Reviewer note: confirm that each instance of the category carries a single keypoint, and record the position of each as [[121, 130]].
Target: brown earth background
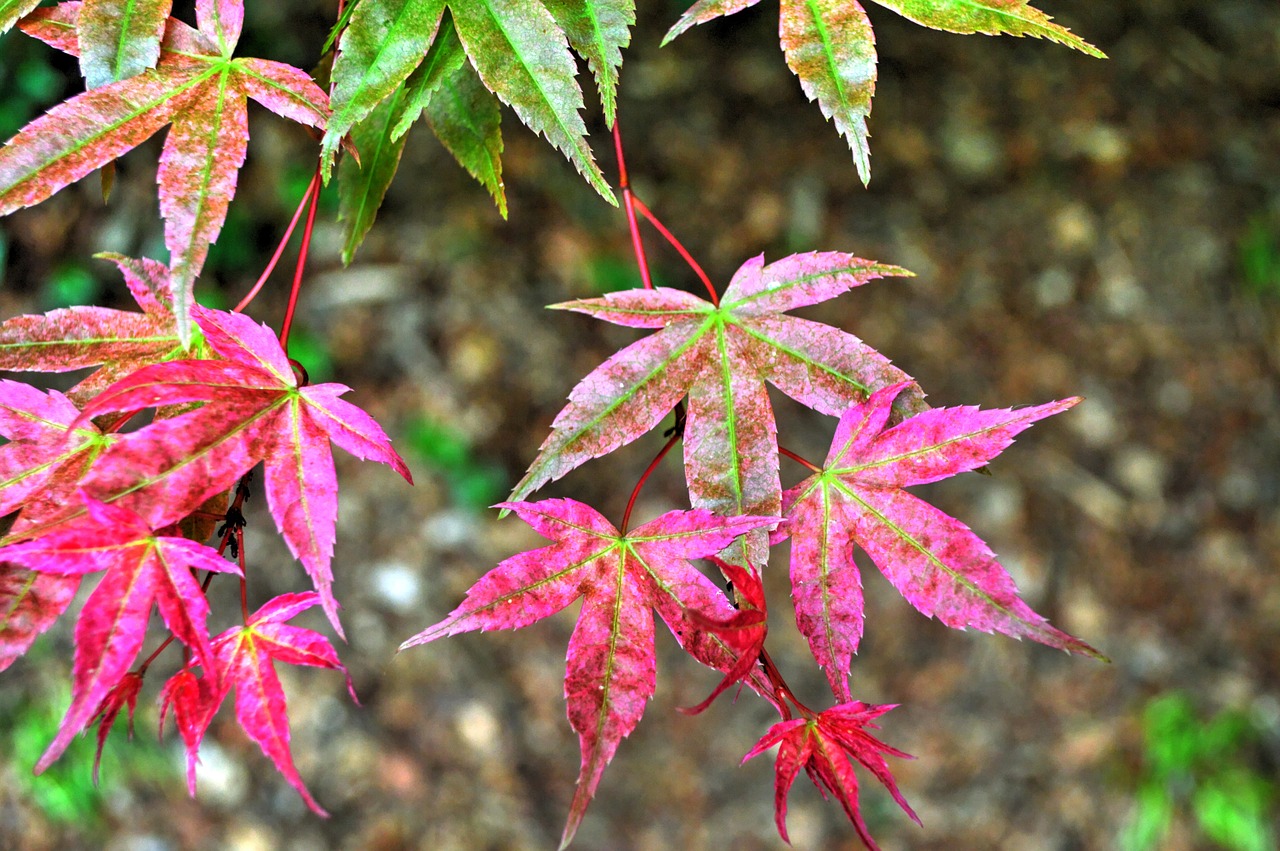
[[1103, 228]]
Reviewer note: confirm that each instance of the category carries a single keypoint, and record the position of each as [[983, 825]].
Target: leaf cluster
[[156, 511]]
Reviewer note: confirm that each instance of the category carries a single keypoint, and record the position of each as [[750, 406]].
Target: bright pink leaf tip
[[123, 694]]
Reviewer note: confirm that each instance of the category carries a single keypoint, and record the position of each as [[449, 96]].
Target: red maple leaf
[[246, 662], [934, 560], [721, 355], [39, 469], [141, 569], [197, 87], [193, 701], [48, 450], [744, 633], [123, 694], [823, 746], [621, 578], [255, 412], [118, 341]]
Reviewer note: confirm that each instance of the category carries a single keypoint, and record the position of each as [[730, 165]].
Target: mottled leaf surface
[[141, 569], [12, 11], [721, 356], [255, 412], [830, 47], [936, 562], [621, 578], [523, 57], [119, 38], [598, 30], [116, 341]]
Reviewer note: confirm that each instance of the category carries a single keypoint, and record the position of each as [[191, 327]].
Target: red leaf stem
[[675, 243], [312, 189], [644, 477], [628, 202], [302, 262], [782, 450]]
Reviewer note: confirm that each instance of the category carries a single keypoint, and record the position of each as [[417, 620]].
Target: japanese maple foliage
[[823, 746], [621, 578], [138, 477]]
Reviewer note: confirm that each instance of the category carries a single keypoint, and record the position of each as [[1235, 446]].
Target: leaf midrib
[[905, 536]]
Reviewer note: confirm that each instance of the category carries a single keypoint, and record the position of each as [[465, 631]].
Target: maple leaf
[[598, 31], [992, 17], [40, 468], [823, 746], [118, 341], [744, 633], [832, 50], [30, 603], [119, 39], [123, 694], [830, 46], [721, 356], [48, 450], [517, 48], [621, 578], [198, 88], [464, 115], [193, 701], [246, 662], [142, 568], [256, 412], [934, 560]]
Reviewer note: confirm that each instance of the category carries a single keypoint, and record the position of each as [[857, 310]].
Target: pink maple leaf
[[123, 694], [744, 632], [823, 746], [934, 560], [193, 701], [196, 86], [141, 569], [721, 356], [621, 577], [118, 341], [256, 412], [246, 662], [30, 603], [47, 453]]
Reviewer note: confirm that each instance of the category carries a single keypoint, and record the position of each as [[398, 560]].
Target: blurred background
[[1103, 228]]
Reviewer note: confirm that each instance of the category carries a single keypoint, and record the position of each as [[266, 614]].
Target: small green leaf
[[445, 56], [363, 185], [466, 118], [523, 57], [384, 42], [991, 17], [598, 30]]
